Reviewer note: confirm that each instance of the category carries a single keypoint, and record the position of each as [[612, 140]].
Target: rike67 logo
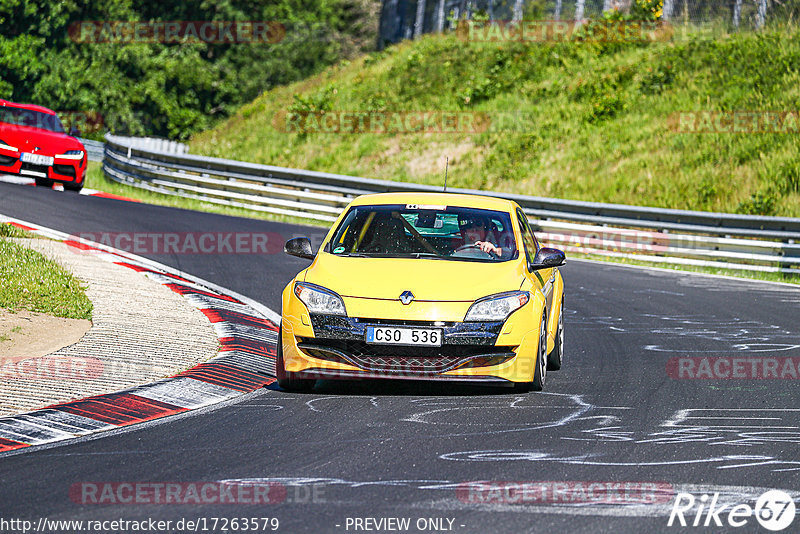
[[774, 510]]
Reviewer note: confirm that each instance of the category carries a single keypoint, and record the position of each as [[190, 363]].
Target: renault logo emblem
[[406, 297]]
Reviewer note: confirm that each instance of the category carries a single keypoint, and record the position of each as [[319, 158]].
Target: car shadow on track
[[413, 388]]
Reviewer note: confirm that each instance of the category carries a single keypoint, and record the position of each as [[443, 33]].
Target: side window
[[531, 245]]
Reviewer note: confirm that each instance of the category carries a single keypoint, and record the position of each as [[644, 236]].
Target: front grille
[[65, 170], [38, 169], [397, 359]]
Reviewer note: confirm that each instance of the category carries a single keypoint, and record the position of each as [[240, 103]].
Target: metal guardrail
[[94, 149], [154, 144], [652, 234]]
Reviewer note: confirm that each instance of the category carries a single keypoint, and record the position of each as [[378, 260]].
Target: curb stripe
[[186, 393], [10, 445], [120, 409], [23, 227], [142, 269], [246, 345], [184, 290], [219, 316], [64, 421], [228, 376]]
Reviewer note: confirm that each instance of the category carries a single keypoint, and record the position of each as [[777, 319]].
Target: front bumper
[[62, 169], [335, 347]]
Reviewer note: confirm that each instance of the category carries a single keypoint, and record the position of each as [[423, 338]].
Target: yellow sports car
[[424, 286]]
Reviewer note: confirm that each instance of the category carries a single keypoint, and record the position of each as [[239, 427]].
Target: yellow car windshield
[[415, 231]]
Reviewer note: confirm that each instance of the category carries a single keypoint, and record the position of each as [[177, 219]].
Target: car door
[[541, 279]]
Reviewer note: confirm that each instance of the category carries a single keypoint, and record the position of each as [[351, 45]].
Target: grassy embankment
[[596, 118]]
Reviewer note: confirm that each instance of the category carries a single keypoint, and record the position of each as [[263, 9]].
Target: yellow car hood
[[432, 280]]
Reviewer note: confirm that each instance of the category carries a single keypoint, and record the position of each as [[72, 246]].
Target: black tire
[[556, 356], [72, 186], [286, 380], [44, 182], [540, 373]]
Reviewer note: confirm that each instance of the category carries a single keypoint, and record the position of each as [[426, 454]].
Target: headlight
[[497, 307], [318, 299], [6, 146], [71, 154]]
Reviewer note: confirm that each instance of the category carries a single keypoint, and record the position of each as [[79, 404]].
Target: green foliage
[[168, 89], [647, 9], [759, 203]]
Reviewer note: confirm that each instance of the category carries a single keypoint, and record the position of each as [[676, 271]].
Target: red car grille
[[66, 170]]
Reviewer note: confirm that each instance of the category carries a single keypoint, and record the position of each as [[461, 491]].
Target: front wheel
[[286, 379], [540, 373], [72, 186]]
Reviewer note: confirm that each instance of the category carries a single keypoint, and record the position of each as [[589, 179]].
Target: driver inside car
[[474, 232]]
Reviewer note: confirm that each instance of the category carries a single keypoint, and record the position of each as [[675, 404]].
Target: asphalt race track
[[617, 415]]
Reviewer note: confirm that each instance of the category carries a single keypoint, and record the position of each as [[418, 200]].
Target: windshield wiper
[[431, 255]]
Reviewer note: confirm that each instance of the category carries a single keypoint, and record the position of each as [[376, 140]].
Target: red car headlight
[[71, 154], [6, 146]]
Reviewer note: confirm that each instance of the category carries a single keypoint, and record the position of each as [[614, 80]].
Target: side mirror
[[74, 131], [300, 247], [547, 258]]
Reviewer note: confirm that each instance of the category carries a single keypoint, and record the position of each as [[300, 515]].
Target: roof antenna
[[446, 164]]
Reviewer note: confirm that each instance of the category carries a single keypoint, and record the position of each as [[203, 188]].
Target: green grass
[[32, 282], [9, 230], [596, 119]]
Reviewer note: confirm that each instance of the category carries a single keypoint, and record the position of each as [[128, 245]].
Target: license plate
[[386, 335], [36, 159]]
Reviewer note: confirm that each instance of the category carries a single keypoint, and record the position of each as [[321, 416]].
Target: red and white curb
[[247, 333], [21, 180]]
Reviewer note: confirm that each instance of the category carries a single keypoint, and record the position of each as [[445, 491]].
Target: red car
[[33, 143]]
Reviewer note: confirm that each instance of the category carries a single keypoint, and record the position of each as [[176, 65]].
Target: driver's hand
[[487, 247]]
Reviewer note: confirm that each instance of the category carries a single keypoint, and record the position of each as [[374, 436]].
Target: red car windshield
[[30, 119]]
